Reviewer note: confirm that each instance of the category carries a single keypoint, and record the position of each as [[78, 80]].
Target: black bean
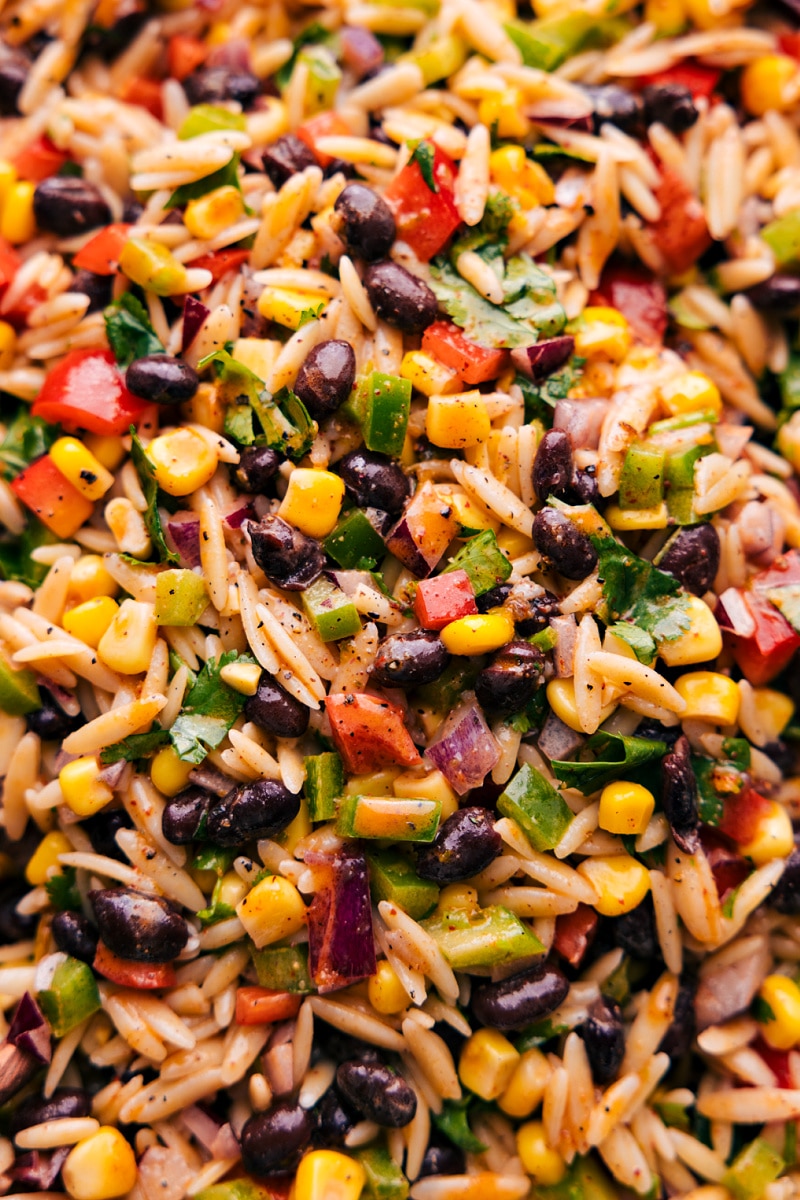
[[13, 73], [656, 732], [782, 754], [464, 845], [326, 377], [97, 287], [679, 795], [560, 540], [615, 104], [132, 211], [521, 999], [408, 659], [210, 85], [15, 926], [679, 1037], [635, 932], [552, 467], [374, 481], [442, 1158], [286, 158], [50, 721], [512, 678], [693, 558], [494, 598], [184, 817], [779, 292], [604, 1038], [671, 105], [532, 614], [332, 1121], [399, 297], [64, 1102], [785, 896], [68, 206], [286, 556], [138, 926], [367, 225], [250, 811], [162, 379], [377, 1093], [257, 466], [275, 710], [102, 830], [75, 935], [273, 1141], [584, 488]]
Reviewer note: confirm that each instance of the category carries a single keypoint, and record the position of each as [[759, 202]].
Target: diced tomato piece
[[123, 971], [145, 93], [742, 814], [261, 1006], [474, 363], [101, 253], [425, 219], [39, 160], [785, 569], [369, 733], [700, 80], [770, 647], [575, 933], [86, 391], [680, 233], [727, 866], [184, 54], [777, 1061], [638, 295], [54, 500], [220, 262], [443, 599], [10, 263], [324, 124]]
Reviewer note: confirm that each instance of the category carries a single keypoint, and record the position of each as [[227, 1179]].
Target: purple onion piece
[[581, 420], [465, 750], [39, 1169], [733, 615], [341, 948], [29, 1030], [557, 740], [185, 537], [194, 314], [361, 50], [235, 519], [539, 361], [113, 774], [234, 54], [562, 115], [17, 1067]]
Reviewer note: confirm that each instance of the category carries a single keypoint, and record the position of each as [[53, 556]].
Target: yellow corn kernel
[[127, 525], [90, 579], [668, 16], [128, 644], [213, 213], [8, 345], [457, 421], [488, 1060], [81, 468], [169, 773], [478, 635], [621, 882], [781, 1027], [182, 461], [90, 620], [432, 786], [376, 783], [258, 354], [329, 1175], [601, 333], [219, 34], [701, 642], [286, 306], [625, 807], [108, 450], [428, 375], [544, 1165], [561, 698], [312, 501], [709, 697], [82, 788], [503, 111], [8, 177], [690, 392], [470, 515], [628, 519], [386, 993], [298, 828], [525, 180], [100, 1167], [242, 677], [513, 543], [44, 861], [17, 222], [775, 711], [525, 1090], [230, 890], [272, 910], [774, 836], [153, 267], [205, 408], [768, 82]]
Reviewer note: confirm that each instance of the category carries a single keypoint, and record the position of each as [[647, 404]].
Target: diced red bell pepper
[[727, 866], [10, 263], [474, 363], [220, 262], [262, 1006], [369, 733], [54, 500], [146, 976], [575, 933], [425, 219], [741, 815], [701, 81], [680, 233], [39, 160], [638, 295], [785, 569], [770, 647], [777, 1061], [86, 391], [324, 124], [101, 253], [184, 54], [443, 599], [145, 93]]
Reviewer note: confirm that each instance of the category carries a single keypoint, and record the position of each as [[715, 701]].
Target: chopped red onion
[[562, 114], [194, 314], [39, 1169], [732, 439], [539, 361], [185, 537], [212, 780], [235, 519], [224, 1144], [566, 631], [234, 53], [29, 1030], [733, 614], [341, 948], [465, 750], [582, 421], [113, 774], [361, 50], [203, 1127], [557, 740]]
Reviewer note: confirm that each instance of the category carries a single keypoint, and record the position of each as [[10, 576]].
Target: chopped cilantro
[[452, 1121], [15, 556], [540, 398], [135, 747], [25, 439], [152, 519], [638, 639], [214, 858], [761, 1010], [210, 708], [614, 756], [424, 155], [530, 307], [536, 1035], [62, 892], [226, 176], [311, 314], [284, 419], [716, 779], [314, 34], [217, 910], [129, 332], [636, 592]]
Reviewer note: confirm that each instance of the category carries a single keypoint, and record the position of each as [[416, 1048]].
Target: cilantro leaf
[[638, 639], [614, 756], [530, 295], [62, 892], [129, 332], [423, 156], [25, 439], [737, 751], [637, 592], [311, 314], [762, 1011], [716, 779], [214, 858], [284, 419], [314, 34], [536, 1035], [482, 322], [530, 307], [217, 910], [135, 746], [152, 519], [15, 556], [210, 708], [498, 212], [453, 1123], [225, 176]]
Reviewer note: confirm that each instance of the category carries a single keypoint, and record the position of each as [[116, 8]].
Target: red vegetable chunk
[[101, 253], [474, 363], [146, 976], [700, 80], [680, 233], [638, 295], [39, 160], [444, 599], [54, 500], [764, 652], [341, 948], [86, 391], [262, 1006], [575, 933], [369, 733], [742, 815], [425, 219]]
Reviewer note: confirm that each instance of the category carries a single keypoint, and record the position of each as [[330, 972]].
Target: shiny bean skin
[[138, 926], [50, 721], [604, 1038], [273, 1141], [679, 1037], [286, 556], [560, 540], [399, 297], [15, 926], [251, 811], [693, 558], [210, 85], [332, 1121], [373, 481], [533, 615], [464, 845], [443, 1159], [512, 678], [102, 830], [367, 224], [679, 795], [786, 894], [257, 466], [184, 815], [326, 377], [377, 1093], [779, 292], [97, 287], [552, 467], [67, 206], [75, 935], [65, 1102], [521, 999], [13, 73], [162, 379], [635, 932], [615, 105], [494, 598], [671, 105], [286, 158], [410, 659], [274, 710]]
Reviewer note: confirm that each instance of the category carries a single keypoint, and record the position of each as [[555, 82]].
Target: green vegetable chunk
[[585, 1180], [236, 1189], [323, 78], [537, 808], [481, 937], [615, 756], [641, 484], [752, 1169], [783, 238], [181, 597], [389, 817], [385, 1180], [453, 1122], [208, 712], [548, 42], [483, 561], [330, 611], [385, 410], [152, 517], [355, 542], [392, 877], [324, 784], [283, 968], [19, 693], [441, 59], [71, 997]]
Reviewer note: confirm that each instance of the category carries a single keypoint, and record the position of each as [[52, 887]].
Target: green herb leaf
[[62, 892], [135, 747], [129, 332], [761, 1010], [787, 600], [737, 751], [314, 34], [287, 426], [144, 469], [226, 176], [217, 910], [716, 779], [727, 909], [453, 1123], [213, 858], [536, 1035], [484, 323], [311, 314], [638, 639], [209, 710], [637, 592], [614, 756], [423, 156], [25, 439], [540, 398], [15, 556]]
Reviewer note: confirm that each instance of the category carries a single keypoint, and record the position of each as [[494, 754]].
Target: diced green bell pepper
[[209, 118], [392, 877], [752, 1169], [324, 78], [684, 421], [783, 237], [541, 813], [236, 1189], [385, 1180], [585, 1180], [483, 561], [381, 405], [19, 693], [71, 997], [547, 43], [641, 482], [283, 968], [441, 59], [789, 382], [445, 692], [324, 784], [181, 597], [481, 937], [330, 611], [388, 817], [355, 542]]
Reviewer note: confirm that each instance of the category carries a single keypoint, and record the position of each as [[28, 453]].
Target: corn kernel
[[457, 421], [621, 882], [769, 82], [81, 468], [432, 786], [153, 267], [44, 861], [90, 620], [561, 698], [8, 177], [386, 993], [312, 501], [478, 635], [257, 354], [242, 677], [90, 579], [488, 1060], [376, 783], [108, 450], [503, 111], [625, 807], [701, 642], [470, 515], [781, 1028], [774, 710], [169, 773], [82, 788], [526, 1088], [709, 697], [544, 1165], [286, 306], [219, 34], [601, 333], [213, 213], [428, 375], [230, 890], [206, 408], [788, 440], [514, 544], [525, 180], [329, 1175], [128, 644], [298, 828], [100, 1167], [774, 837], [183, 461], [690, 392], [8, 345], [629, 519], [17, 222], [668, 16], [272, 910]]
